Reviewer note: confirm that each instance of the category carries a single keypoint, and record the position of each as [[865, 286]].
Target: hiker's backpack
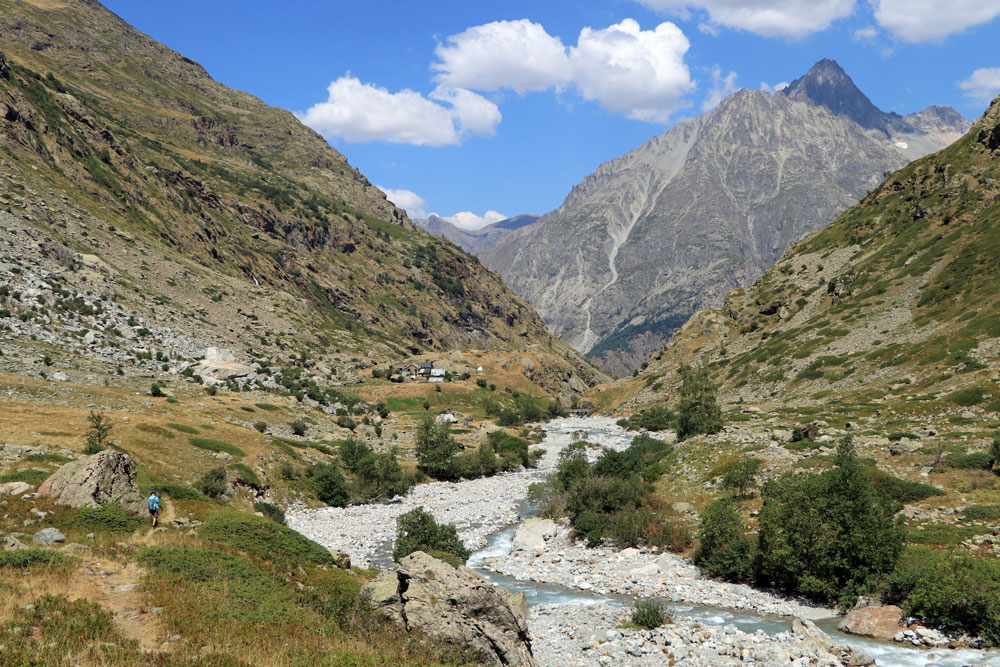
[[153, 503]]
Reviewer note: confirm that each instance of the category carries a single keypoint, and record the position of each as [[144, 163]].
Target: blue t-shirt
[[153, 502]]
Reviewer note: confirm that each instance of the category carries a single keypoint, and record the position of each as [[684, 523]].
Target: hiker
[[153, 502]]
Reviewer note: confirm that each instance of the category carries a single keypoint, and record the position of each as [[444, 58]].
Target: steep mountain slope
[[897, 298], [648, 239], [474, 240], [145, 191]]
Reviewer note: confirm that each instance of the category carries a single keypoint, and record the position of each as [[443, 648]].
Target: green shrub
[[156, 390], [740, 477], [183, 428], [901, 490], [271, 511], [213, 445], [969, 396], [264, 539], [330, 485], [649, 614], [260, 426], [418, 531], [655, 418], [899, 435], [697, 409], [246, 475], [981, 513], [828, 536], [23, 558], [106, 519], [974, 461], [352, 452], [724, 550], [298, 426], [950, 590], [267, 406], [213, 483]]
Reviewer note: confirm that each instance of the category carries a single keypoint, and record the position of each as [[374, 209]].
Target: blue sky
[[512, 103]]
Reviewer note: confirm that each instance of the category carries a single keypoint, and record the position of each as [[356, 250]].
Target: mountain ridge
[[616, 282]]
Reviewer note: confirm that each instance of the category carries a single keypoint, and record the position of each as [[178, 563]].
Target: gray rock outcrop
[[850, 656], [456, 605], [14, 488], [106, 477]]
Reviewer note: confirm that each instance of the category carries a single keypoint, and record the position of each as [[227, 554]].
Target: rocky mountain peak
[[828, 85]]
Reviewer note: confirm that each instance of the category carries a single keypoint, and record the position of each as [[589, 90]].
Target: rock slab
[[532, 534], [106, 477], [457, 605], [878, 622]]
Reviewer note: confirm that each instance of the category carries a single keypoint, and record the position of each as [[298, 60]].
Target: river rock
[[106, 477], [49, 536], [455, 604], [14, 488], [820, 642], [877, 622], [532, 534]]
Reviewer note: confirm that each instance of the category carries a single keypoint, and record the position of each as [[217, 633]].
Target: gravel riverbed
[[477, 507]]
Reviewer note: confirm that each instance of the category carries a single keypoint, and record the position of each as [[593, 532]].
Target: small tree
[[741, 477], [98, 433], [383, 474], [724, 550], [213, 483], [436, 448], [697, 410], [995, 455], [298, 426], [331, 487], [418, 531], [352, 452]]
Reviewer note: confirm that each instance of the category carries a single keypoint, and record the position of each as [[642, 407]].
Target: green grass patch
[[47, 458], [105, 519], [264, 539], [24, 558], [183, 428], [246, 475], [35, 477], [267, 406], [981, 513], [213, 445], [969, 396]]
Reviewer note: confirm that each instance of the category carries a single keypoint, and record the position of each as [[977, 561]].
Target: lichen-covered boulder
[[456, 605], [104, 478]]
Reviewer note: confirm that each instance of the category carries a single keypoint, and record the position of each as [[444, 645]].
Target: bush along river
[[581, 598]]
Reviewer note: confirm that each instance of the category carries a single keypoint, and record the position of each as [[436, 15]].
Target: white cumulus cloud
[[469, 220], [929, 20], [361, 112], [768, 88], [519, 55], [640, 73], [721, 87], [982, 85], [769, 18], [408, 200]]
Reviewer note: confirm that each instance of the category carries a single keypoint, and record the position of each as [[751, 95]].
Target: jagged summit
[[827, 84]]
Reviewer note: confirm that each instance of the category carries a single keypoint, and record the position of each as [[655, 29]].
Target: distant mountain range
[[669, 228], [474, 240]]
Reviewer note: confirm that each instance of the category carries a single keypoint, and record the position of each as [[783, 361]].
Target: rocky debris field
[[579, 635], [638, 573]]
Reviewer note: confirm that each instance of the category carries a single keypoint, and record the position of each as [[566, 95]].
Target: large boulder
[[532, 534], [877, 621], [818, 641], [106, 477], [14, 488], [456, 605]]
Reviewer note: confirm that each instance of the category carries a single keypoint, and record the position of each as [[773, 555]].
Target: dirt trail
[[118, 588]]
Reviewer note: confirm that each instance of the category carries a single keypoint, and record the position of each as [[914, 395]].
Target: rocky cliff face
[[649, 238], [897, 299], [154, 198]]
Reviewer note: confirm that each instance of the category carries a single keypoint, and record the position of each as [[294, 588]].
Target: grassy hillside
[[127, 171]]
